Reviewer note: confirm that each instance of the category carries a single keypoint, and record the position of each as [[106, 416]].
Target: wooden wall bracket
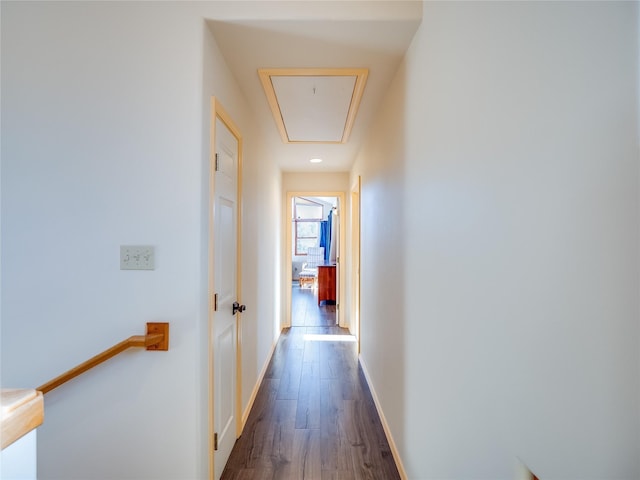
[[159, 328]]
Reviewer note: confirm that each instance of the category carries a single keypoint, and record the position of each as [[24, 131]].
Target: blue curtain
[[325, 237]]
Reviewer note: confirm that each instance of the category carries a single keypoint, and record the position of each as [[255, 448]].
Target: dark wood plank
[[290, 379], [335, 448], [306, 455], [338, 475], [280, 437], [308, 407], [276, 364], [330, 360], [311, 350], [257, 428]]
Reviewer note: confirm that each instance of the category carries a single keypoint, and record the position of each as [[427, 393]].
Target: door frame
[[355, 267], [218, 112], [340, 287]]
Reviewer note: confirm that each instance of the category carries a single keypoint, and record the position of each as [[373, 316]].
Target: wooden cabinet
[[326, 283]]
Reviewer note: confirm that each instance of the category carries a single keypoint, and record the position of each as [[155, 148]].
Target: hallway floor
[[305, 311], [313, 417]]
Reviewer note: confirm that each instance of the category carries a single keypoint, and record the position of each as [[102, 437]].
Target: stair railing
[[157, 338]]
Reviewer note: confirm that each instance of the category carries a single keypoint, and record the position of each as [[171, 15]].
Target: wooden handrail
[[157, 338], [22, 411]]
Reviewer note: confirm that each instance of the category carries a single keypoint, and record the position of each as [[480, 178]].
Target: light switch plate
[[137, 257]]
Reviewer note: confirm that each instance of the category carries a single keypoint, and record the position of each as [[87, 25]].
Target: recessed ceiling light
[[315, 160]]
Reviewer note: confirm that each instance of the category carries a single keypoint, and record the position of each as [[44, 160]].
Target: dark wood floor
[[305, 311], [313, 417]]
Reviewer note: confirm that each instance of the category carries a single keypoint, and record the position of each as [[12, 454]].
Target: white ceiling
[[377, 44]]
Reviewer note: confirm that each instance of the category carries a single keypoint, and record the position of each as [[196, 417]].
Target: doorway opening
[[313, 258], [315, 279]]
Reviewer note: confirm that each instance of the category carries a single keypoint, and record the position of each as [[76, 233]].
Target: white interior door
[[224, 329]]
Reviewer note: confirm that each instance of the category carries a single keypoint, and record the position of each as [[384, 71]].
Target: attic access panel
[[314, 105]]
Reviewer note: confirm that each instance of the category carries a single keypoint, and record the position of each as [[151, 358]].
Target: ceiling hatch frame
[[360, 74]]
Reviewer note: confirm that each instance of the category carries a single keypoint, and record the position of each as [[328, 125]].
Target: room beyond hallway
[[314, 417], [305, 311]]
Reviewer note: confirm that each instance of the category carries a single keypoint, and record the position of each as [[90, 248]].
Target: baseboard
[[256, 387], [385, 425]]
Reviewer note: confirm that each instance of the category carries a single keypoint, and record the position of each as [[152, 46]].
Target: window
[[307, 216]]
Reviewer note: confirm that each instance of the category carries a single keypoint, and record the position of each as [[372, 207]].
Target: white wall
[[315, 182], [384, 320], [19, 461], [511, 326], [105, 142]]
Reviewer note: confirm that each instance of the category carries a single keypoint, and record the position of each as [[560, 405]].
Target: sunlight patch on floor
[[318, 337]]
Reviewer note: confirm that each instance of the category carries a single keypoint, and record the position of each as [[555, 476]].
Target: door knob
[[238, 308]]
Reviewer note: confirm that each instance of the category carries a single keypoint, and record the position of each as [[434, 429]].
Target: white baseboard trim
[[385, 425], [256, 387]]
